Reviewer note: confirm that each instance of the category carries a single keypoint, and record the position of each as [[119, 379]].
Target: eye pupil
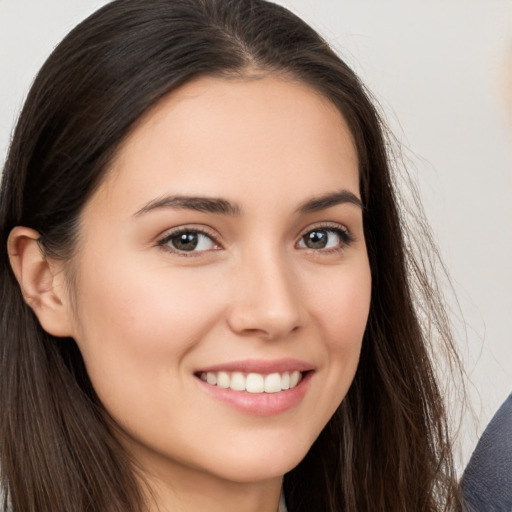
[[185, 241], [316, 239]]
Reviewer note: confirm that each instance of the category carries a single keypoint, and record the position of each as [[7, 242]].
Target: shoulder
[[487, 480]]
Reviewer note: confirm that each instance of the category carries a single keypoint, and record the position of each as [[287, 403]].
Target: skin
[[147, 317]]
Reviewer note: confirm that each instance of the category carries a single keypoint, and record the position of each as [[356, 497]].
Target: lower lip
[[260, 404]]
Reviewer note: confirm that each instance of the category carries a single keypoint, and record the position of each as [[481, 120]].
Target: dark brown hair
[[386, 448]]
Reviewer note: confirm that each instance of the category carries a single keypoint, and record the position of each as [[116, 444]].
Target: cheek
[[342, 308], [141, 305], [137, 322], [341, 312], [348, 320]]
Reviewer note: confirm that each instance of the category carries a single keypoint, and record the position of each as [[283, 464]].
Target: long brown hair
[[387, 447]]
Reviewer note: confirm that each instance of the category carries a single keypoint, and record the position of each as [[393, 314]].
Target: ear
[[41, 281]]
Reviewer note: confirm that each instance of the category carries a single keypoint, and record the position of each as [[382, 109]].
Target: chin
[[261, 463]]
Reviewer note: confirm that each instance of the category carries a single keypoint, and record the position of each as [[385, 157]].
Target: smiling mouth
[[253, 382]]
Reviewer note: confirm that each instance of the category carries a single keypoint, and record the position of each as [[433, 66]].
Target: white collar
[[282, 504]]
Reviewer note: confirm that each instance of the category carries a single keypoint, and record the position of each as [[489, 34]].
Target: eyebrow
[[197, 203], [225, 207], [329, 200]]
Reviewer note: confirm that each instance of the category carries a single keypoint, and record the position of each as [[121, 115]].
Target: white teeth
[[253, 382], [223, 380], [294, 378], [273, 383], [237, 381], [285, 381]]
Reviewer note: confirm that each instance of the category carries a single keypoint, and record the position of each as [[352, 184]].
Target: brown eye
[[188, 241], [316, 239], [325, 238]]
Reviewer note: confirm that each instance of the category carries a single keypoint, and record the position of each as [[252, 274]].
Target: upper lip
[[260, 366]]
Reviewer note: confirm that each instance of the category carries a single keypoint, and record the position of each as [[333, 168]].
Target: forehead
[[214, 134]]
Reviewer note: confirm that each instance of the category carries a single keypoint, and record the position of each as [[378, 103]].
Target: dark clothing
[[487, 480]]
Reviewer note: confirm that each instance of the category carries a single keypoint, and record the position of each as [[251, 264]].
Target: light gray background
[[440, 71]]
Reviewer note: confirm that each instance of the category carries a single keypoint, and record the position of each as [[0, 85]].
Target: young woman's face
[[225, 245]]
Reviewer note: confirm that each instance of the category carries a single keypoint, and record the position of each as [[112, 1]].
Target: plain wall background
[[439, 72]]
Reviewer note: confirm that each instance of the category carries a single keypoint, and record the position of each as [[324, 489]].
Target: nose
[[265, 299]]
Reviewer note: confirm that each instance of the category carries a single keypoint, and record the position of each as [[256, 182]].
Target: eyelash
[[344, 235]]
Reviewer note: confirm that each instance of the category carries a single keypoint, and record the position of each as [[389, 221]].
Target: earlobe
[[40, 280]]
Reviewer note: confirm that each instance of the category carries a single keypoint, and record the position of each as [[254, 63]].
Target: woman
[[207, 300]]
